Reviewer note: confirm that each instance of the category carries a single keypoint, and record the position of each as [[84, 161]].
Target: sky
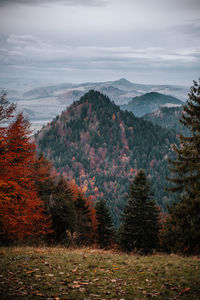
[[145, 41]]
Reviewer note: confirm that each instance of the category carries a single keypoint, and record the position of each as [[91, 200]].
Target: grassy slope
[[59, 273]]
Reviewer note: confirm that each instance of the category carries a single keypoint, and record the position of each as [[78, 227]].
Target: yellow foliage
[[84, 189]]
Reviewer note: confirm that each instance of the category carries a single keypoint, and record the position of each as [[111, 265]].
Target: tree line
[[37, 205]]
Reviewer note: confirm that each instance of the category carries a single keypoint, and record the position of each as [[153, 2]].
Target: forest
[[100, 176], [102, 147]]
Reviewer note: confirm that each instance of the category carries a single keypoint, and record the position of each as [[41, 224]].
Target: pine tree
[[63, 211], [105, 229], [45, 181], [183, 224], [140, 220], [83, 220]]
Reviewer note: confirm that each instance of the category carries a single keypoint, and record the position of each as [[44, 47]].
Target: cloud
[[62, 2], [100, 35], [28, 49], [191, 28], [21, 40]]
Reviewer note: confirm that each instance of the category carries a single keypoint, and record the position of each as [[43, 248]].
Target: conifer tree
[[63, 211], [45, 181], [105, 230], [183, 224], [83, 220], [140, 220]]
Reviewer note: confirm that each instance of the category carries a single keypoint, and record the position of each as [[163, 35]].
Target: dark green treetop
[[83, 220], [183, 224], [186, 168], [105, 229], [140, 221], [62, 211]]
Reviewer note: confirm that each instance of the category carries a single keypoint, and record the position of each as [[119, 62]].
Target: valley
[[42, 103]]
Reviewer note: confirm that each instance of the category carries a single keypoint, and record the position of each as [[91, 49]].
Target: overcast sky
[[145, 41]]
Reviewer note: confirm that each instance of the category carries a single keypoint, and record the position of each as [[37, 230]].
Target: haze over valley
[[42, 104]]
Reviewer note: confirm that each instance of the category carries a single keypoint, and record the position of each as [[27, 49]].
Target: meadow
[[61, 273]]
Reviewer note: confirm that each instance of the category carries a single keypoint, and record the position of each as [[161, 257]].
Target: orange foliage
[[21, 210], [88, 202]]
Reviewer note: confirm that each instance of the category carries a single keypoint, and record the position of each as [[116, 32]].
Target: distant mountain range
[[42, 104], [101, 147], [150, 102]]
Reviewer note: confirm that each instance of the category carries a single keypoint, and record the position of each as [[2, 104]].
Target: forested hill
[[150, 102], [168, 117], [101, 147]]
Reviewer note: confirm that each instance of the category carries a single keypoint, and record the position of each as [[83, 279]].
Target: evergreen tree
[[63, 211], [105, 230], [183, 223], [44, 179], [140, 218], [83, 220]]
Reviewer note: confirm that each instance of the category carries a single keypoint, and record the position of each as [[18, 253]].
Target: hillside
[[150, 102], [101, 147], [168, 117]]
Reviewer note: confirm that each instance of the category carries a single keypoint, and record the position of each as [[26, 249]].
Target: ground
[[60, 273]]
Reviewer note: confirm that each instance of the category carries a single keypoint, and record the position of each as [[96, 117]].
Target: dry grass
[[60, 273]]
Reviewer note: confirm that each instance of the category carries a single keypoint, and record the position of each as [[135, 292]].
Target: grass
[[60, 273]]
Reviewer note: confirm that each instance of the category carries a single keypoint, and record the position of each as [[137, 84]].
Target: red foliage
[[21, 210], [88, 202]]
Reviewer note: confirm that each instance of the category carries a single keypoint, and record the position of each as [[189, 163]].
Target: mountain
[[150, 102], [124, 84], [46, 101], [168, 117], [102, 147], [48, 91]]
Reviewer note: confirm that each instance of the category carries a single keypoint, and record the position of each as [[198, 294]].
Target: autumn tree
[[183, 224], [6, 110], [6, 114], [21, 210], [140, 220], [73, 214], [105, 229]]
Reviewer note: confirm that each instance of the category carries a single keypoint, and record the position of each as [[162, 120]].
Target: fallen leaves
[[74, 270], [29, 272], [186, 290], [62, 274]]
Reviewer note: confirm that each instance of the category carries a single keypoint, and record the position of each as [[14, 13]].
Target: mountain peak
[[93, 96], [92, 93], [158, 95], [122, 81]]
